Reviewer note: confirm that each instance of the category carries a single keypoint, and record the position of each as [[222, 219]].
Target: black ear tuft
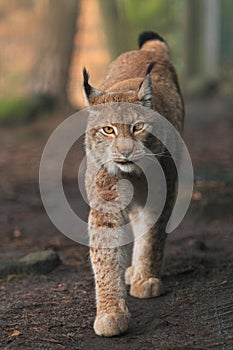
[[89, 91], [86, 85], [150, 67], [145, 36], [148, 70], [145, 92]]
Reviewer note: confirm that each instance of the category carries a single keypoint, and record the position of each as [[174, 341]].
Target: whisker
[[158, 154], [162, 155], [105, 162]]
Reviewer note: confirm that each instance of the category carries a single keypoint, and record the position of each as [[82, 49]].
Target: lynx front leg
[[108, 264]]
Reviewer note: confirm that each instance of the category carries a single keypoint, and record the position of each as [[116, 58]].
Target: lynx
[[115, 145]]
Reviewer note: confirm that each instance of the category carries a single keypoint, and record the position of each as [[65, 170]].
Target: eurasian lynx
[[114, 145]]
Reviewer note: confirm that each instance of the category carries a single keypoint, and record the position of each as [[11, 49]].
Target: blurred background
[[46, 43], [44, 46]]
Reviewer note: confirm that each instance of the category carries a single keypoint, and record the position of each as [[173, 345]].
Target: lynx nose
[[125, 147], [126, 152]]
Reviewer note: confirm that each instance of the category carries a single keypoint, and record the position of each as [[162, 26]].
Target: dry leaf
[[17, 233], [197, 196], [15, 333]]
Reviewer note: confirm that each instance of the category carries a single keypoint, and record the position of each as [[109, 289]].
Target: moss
[[19, 109], [19, 276], [40, 262]]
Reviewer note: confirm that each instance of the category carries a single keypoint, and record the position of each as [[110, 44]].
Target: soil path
[[56, 311]]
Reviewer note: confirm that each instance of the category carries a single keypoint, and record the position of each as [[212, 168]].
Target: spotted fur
[[142, 77]]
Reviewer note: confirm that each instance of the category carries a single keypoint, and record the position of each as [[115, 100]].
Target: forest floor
[[56, 311]]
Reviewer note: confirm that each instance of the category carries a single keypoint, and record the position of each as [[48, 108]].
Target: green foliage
[[138, 11], [14, 109], [19, 109], [163, 16], [227, 30]]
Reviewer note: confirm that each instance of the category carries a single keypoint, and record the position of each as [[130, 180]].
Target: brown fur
[[126, 82], [127, 72]]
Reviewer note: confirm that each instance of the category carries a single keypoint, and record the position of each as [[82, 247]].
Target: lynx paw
[[108, 324], [146, 288], [129, 275]]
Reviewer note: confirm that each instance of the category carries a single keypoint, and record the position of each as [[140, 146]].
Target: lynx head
[[142, 95], [119, 125], [119, 138]]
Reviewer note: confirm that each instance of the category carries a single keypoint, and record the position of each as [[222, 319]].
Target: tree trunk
[[117, 28], [192, 43], [211, 39], [55, 44]]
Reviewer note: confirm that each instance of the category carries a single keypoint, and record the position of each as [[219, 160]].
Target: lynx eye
[[138, 127], [108, 130]]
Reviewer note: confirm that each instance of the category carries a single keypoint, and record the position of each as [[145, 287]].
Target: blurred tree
[[212, 39], [116, 26], [125, 19], [199, 33], [193, 29], [55, 44]]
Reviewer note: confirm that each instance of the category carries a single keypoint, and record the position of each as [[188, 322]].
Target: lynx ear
[[145, 88], [89, 91]]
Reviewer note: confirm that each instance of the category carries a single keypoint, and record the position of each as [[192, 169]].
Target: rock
[[41, 262]]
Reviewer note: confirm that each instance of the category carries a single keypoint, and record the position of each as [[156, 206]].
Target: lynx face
[[118, 141], [119, 125]]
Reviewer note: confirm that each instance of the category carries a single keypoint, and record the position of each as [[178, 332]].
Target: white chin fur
[[126, 168], [113, 168]]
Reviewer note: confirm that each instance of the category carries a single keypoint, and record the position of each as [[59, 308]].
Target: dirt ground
[[56, 311]]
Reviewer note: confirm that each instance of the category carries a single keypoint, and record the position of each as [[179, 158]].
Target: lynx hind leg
[[151, 287], [146, 287], [143, 281], [143, 275], [129, 275]]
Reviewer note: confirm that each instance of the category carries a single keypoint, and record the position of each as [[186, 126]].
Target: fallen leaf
[[17, 233], [15, 333], [197, 196]]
